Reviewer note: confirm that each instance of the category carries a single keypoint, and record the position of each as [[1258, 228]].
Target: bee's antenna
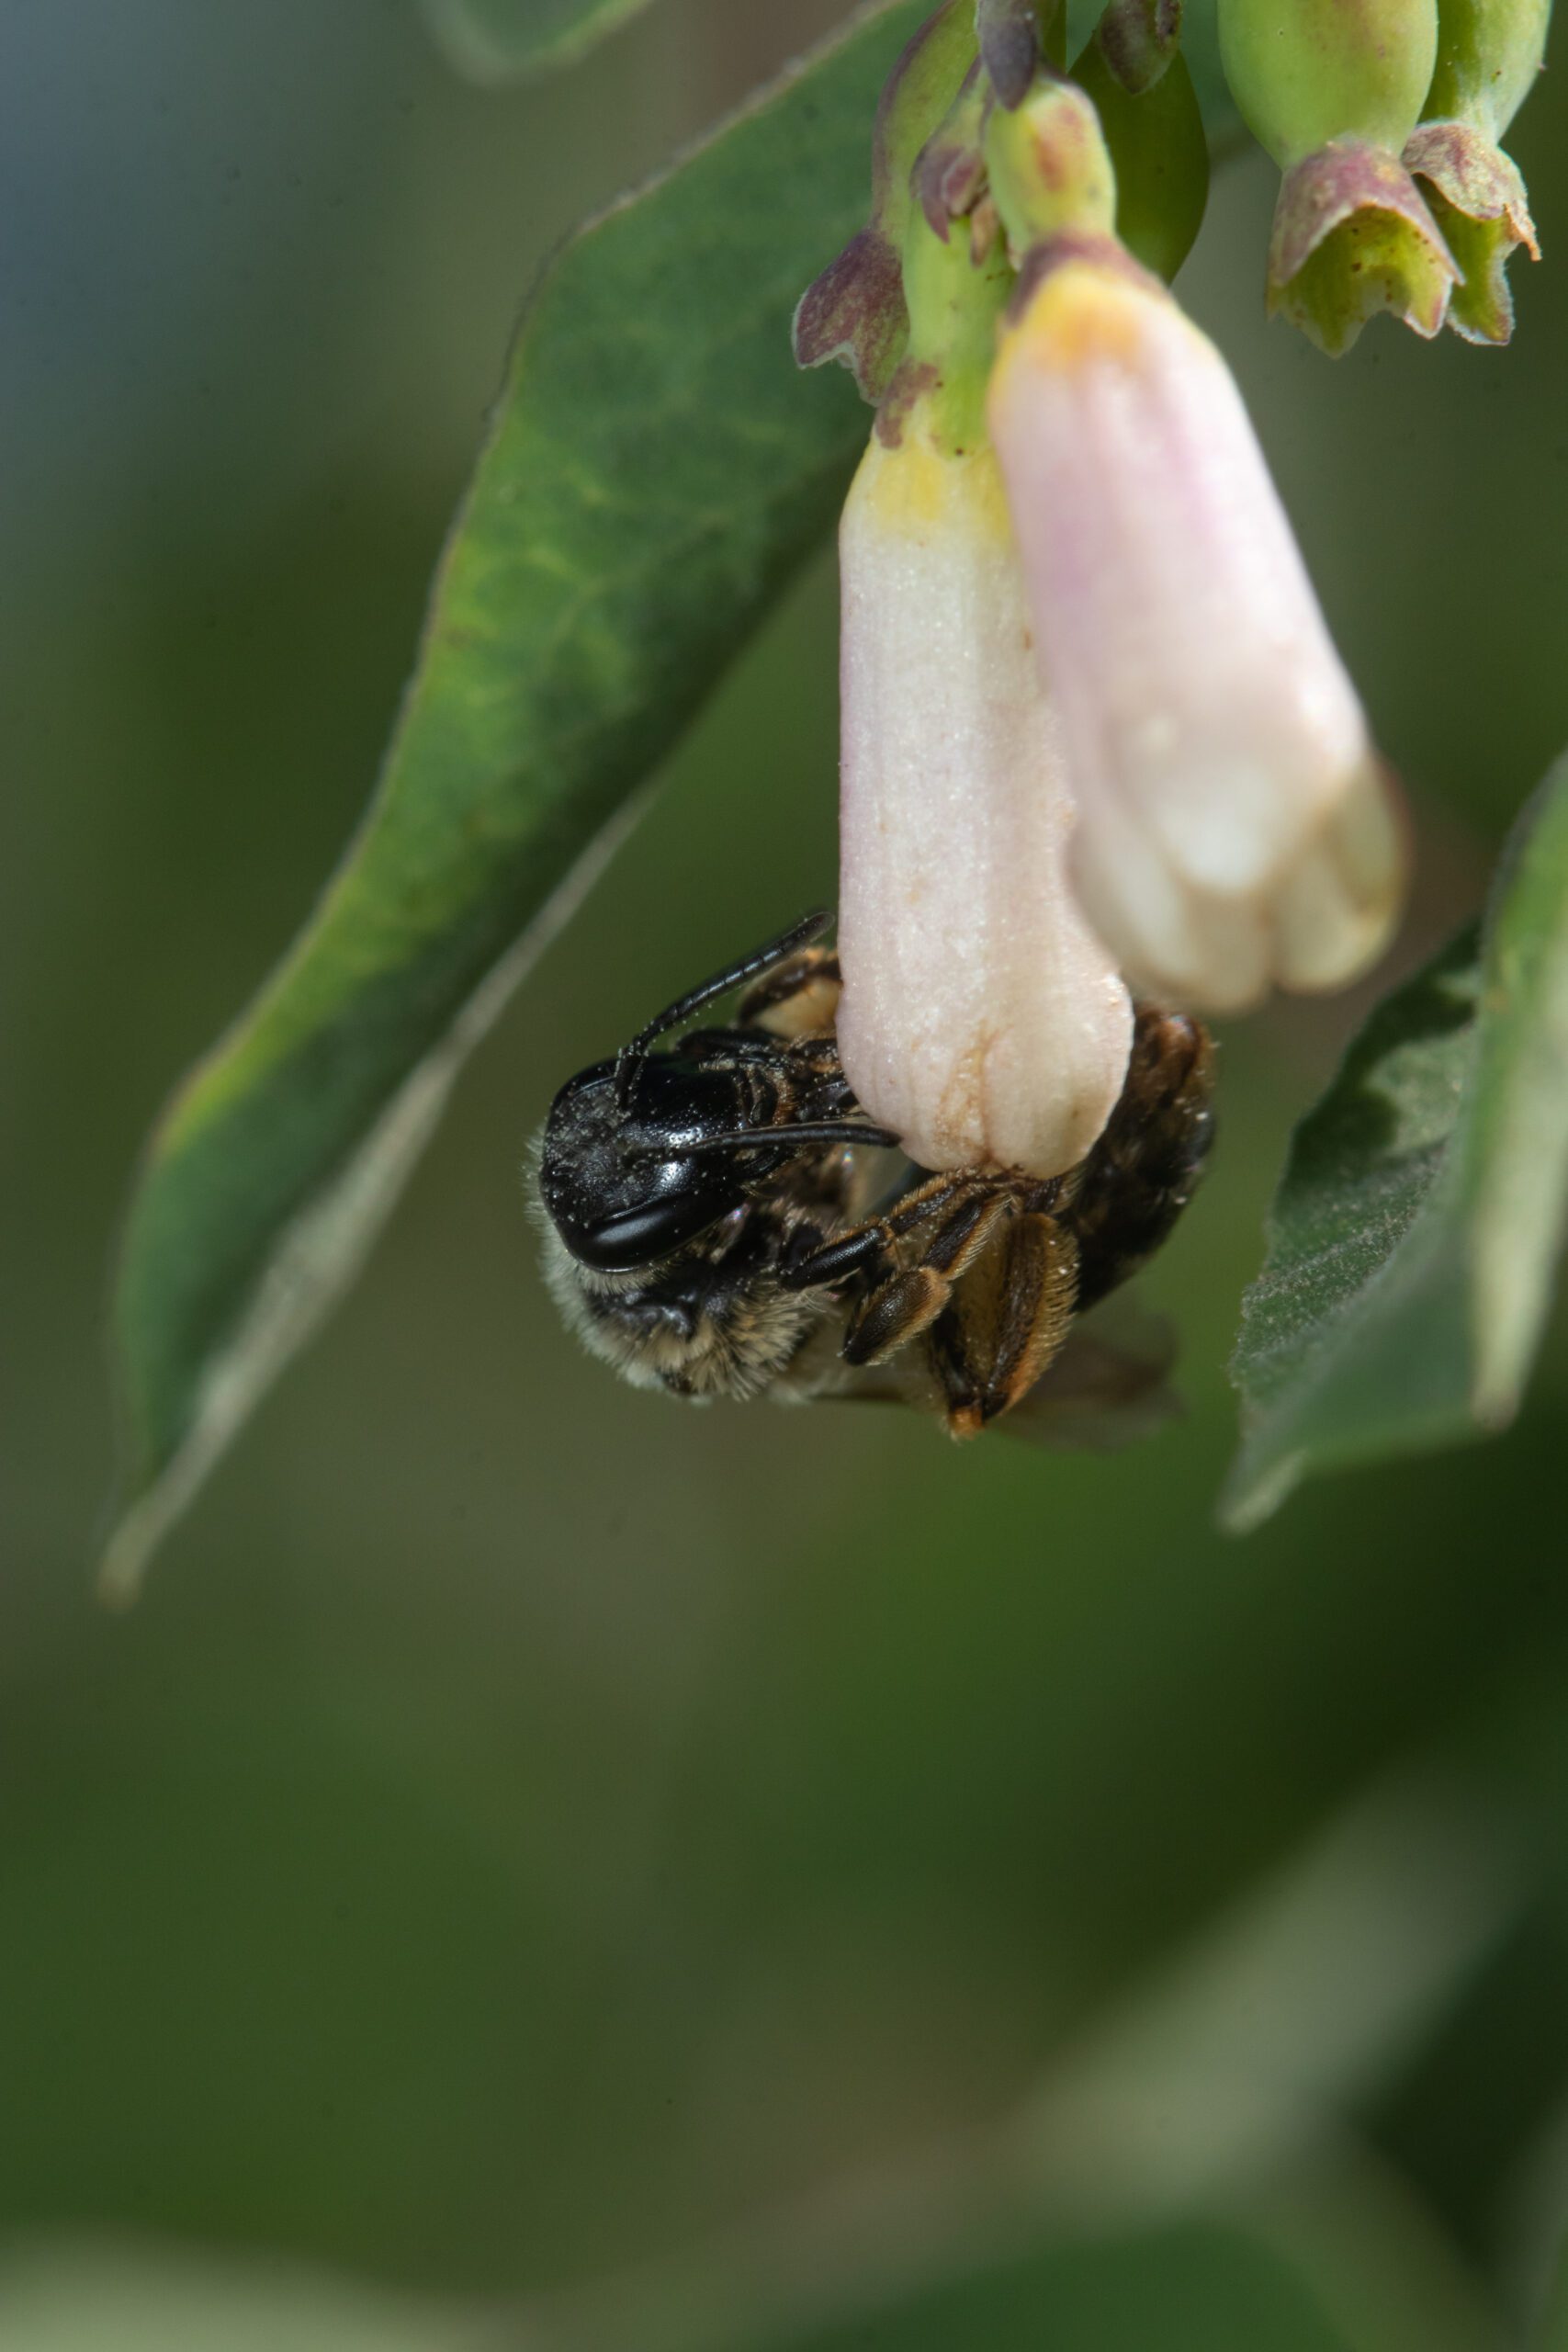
[[762, 959], [789, 1132]]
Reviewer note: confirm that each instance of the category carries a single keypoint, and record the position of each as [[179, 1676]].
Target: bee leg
[[798, 998], [1004, 1324], [908, 1299], [877, 1238]]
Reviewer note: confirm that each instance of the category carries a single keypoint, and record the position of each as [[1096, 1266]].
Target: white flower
[[981, 1018], [1235, 827]]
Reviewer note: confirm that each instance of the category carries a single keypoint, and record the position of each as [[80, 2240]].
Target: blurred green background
[[530, 1831]]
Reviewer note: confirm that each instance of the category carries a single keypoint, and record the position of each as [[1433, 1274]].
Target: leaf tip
[[137, 1529], [1254, 1491]]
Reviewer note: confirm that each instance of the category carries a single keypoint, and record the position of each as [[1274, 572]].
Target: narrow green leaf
[[655, 470], [504, 40], [1415, 1235]]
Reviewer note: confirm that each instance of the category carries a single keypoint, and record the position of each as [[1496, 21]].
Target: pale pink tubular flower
[[1235, 826], [981, 1019]]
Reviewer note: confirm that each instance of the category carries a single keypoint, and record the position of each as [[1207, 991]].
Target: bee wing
[[1107, 1386]]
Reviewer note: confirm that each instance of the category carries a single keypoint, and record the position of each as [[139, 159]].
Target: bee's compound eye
[[644, 1231]]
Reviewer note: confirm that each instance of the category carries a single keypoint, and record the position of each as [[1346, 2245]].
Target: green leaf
[[1195, 2285], [503, 40], [655, 470], [1413, 1241]]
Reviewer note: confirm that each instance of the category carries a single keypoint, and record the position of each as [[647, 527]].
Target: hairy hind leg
[[903, 1300], [1004, 1323]]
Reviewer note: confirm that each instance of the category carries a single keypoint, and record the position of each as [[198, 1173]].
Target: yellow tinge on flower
[[1235, 826], [981, 1019]]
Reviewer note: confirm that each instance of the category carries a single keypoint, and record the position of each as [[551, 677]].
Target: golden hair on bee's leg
[[1005, 1323], [907, 1299]]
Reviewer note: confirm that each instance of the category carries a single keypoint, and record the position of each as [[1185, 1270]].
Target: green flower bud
[[1332, 88], [855, 311], [1154, 134], [1305, 71], [1488, 55], [1050, 169], [1489, 52]]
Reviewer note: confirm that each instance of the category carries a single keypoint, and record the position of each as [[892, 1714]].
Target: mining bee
[[713, 1225]]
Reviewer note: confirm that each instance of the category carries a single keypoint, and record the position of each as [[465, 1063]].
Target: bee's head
[[626, 1171]]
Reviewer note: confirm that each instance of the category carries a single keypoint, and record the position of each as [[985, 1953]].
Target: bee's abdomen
[[1144, 1170]]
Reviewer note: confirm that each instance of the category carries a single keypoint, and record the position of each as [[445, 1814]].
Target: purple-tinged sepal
[[1352, 236], [1010, 34], [1139, 40], [949, 177], [1477, 196], [1488, 56], [855, 311]]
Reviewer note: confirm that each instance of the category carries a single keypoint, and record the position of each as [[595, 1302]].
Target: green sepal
[[1353, 237], [1306, 71], [1016, 37], [949, 177], [855, 310], [1160, 156]]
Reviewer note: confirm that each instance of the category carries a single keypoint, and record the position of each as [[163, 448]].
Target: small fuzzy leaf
[[1414, 1238]]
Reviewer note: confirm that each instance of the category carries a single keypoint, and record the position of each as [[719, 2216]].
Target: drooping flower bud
[[1234, 821], [1136, 76], [981, 1019], [1489, 52], [1332, 89]]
